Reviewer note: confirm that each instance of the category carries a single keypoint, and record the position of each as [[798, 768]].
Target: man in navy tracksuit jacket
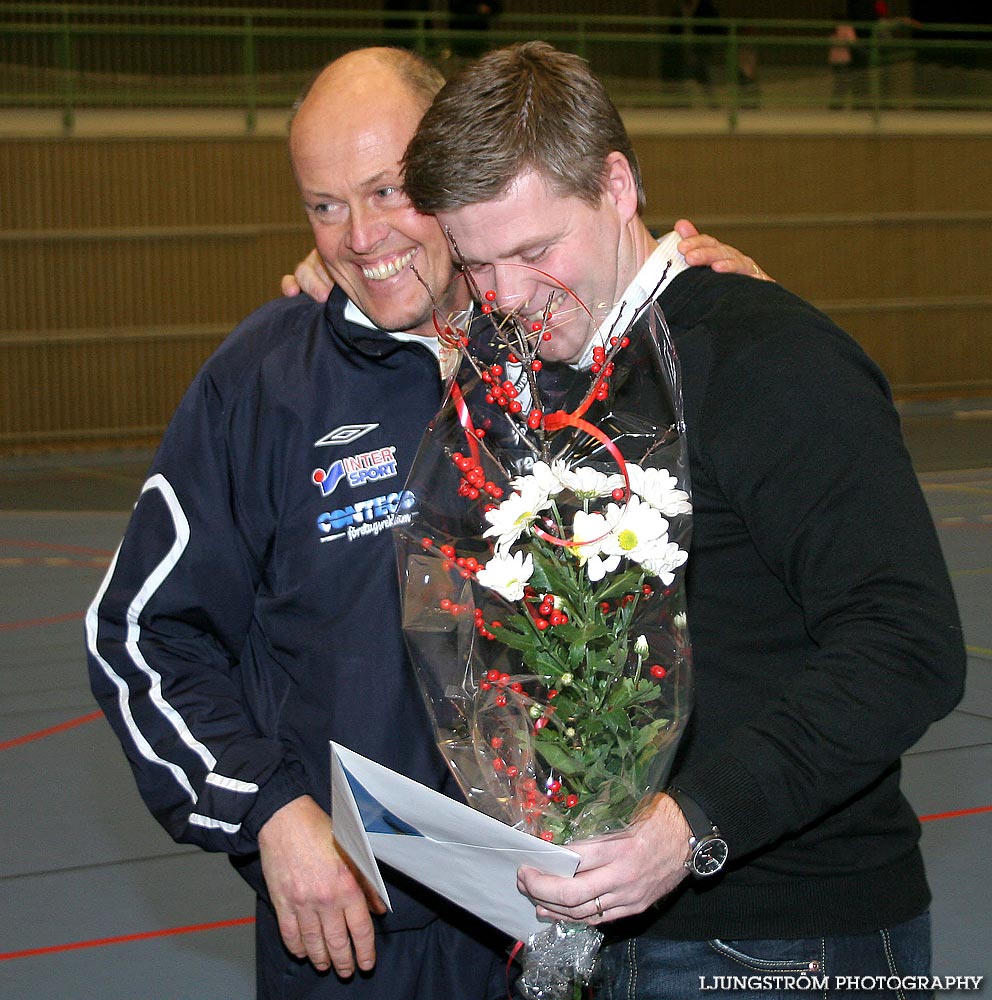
[[252, 612]]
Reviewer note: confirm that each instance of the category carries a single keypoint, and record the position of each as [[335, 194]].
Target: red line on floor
[[35, 622], [956, 812], [51, 730], [82, 550], [125, 938], [57, 562]]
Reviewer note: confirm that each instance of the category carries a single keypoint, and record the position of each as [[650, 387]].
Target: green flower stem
[[601, 732]]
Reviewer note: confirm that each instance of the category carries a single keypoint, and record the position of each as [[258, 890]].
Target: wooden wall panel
[[126, 260], [781, 175], [69, 391], [119, 182], [111, 280], [945, 351]]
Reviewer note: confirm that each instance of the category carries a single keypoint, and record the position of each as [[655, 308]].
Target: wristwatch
[[708, 850]]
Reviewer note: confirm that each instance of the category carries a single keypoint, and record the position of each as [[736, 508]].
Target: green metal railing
[[75, 56]]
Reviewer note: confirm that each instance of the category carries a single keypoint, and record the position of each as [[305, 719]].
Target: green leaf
[[543, 663], [645, 692], [622, 692], [617, 720], [620, 584], [557, 576], [565, 705], [599, 662], [646, 734], [514, 640], [539, 578], [576, 654], [558, 758], [581, 634]]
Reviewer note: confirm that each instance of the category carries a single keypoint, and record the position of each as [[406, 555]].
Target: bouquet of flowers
[[542, 575]]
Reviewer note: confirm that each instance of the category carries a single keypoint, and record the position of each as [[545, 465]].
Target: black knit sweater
[[825, 633]]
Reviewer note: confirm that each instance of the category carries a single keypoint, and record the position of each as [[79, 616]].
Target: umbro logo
[[344, 434]]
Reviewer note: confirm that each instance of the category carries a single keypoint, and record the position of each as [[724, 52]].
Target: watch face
[[709, 856]]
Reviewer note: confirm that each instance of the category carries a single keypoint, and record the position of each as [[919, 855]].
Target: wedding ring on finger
[[757, 270], [599, 907]]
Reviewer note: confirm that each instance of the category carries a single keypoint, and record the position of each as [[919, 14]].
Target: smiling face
[[346, 142], [593, 250]]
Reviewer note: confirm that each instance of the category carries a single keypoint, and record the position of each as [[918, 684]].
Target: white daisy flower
[[589, 532], [586, 483], [517, 512], [663, 560], [544, 478], [637, 526], [507, 574], [659, 489], [598, 566]]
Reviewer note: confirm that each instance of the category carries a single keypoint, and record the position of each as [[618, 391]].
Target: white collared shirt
[[649, 282], [355, 315]]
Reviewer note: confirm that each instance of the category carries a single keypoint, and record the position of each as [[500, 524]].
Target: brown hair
[[524, 107]]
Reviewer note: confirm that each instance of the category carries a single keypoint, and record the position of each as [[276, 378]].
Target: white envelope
[[460, 853]]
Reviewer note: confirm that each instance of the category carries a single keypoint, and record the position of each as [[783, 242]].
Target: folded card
[[464, 855]]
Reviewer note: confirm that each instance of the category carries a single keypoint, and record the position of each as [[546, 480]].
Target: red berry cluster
[[503, 393], [600, 366], [502, 682], [467, 567], [482, 628], [535, 366], [533, 800], [606, 606], [543, 613], [474, 482]]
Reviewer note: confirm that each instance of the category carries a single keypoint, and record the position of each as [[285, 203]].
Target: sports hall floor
[[97, 902]]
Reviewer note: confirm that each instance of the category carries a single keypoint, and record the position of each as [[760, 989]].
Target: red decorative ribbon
[[556, 421], [465, 419]]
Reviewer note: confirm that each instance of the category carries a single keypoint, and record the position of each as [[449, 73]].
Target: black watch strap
[[708, 850], [698, 821]]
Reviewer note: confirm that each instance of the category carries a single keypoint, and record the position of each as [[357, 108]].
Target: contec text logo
[[367, 517]]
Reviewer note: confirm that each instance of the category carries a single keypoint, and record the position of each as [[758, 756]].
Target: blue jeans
[[647, 968]]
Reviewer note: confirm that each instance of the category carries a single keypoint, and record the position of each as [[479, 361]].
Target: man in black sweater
[[825, 633]]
